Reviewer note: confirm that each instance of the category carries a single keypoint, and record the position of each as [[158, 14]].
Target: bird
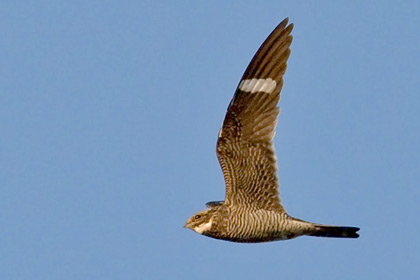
[[252, 211]]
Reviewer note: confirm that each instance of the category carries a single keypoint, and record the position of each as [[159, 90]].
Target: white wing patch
[[256, 85], [203, 227]]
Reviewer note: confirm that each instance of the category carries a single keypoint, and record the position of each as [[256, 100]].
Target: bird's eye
[[197, 217]]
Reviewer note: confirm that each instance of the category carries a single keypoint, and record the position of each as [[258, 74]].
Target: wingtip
[[285, 23]]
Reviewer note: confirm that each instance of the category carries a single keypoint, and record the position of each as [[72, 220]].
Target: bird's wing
[[245, 145], [214, 203]]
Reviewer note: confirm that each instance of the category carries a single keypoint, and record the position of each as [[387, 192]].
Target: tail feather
[[333, 231]]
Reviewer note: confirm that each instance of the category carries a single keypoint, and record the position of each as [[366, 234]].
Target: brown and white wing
[[245, 145]]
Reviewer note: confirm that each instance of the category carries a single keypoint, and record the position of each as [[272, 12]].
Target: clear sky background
[[109, 115]]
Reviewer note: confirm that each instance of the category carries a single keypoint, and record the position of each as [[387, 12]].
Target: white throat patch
[[256, 85], [203, 227]]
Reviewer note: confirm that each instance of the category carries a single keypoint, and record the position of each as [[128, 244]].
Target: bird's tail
[[334, 231]]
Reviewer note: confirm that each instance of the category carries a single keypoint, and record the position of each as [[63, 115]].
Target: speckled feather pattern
[[245, 146], [252, 210]]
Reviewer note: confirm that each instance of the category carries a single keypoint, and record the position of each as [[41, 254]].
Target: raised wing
[[245, 145]]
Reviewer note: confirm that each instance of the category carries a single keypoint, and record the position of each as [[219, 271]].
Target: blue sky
[[109, 115]]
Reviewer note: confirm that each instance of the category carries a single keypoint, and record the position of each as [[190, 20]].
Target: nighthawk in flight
[[252, 211]]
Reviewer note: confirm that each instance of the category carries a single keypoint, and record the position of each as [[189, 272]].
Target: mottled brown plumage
[[252, 211]]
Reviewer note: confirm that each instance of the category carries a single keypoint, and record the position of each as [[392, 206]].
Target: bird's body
[[252, 210], [248, 225], [241, 224]]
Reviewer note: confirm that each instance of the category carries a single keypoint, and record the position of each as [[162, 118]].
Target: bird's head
[[201, 221]]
